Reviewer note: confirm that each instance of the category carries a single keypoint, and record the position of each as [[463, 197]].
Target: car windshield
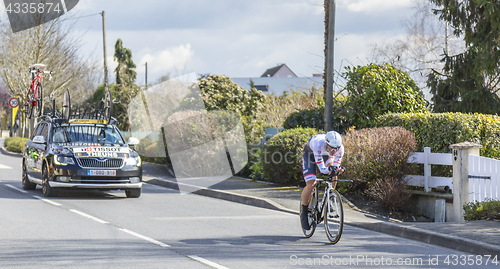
[[86, 134]]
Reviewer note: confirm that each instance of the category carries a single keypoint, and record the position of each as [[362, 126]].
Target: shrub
[[281, 156], [15, 144], [307, 118], [440, 130], [376, 153], [390, 192], [314, 117], [143, 145], [276, 109], [489, 209], [198, 140], [377, 89], [221, 93]]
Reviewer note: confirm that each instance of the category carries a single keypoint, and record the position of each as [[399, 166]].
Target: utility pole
[[105, 54], [329, 64], [145, 102]]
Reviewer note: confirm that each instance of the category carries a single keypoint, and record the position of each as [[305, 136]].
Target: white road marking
[[151, 240], [15, 188], [207, 262], [5, 167], [88, 216], [47, 200]]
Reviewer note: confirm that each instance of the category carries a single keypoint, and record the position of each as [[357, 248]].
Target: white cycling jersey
[[317, 145]]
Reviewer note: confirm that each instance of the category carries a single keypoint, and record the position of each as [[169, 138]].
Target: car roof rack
[[84, 114]]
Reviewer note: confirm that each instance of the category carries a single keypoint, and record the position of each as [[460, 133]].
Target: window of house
[[262, 88]]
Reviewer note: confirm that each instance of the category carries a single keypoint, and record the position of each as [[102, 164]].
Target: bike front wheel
[[333, 216]]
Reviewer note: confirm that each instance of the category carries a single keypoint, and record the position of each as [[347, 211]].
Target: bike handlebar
[[333, 174], [34, 70]]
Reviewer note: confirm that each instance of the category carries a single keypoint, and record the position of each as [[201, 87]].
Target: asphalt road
[[164, 229]]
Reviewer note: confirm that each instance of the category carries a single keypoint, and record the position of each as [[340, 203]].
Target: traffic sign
[[13, 102]]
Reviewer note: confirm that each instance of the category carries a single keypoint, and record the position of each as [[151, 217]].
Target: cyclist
[[324, 151]]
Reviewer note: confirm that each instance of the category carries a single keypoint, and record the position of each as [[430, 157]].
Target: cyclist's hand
[[340, 170], [336, 170], [333, 170]]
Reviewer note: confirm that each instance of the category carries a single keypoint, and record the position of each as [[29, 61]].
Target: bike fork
[[335, 205]]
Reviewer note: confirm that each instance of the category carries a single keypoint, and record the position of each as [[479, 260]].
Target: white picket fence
[[427, 180], [484, 178], [484, 174]]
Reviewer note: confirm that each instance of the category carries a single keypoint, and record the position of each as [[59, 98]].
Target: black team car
[[80, 153]]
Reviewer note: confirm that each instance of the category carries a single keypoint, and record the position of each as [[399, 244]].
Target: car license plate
[[108, 173]]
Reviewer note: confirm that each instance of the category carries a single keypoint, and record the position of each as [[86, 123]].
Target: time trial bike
[[329, 210], [34, 97]]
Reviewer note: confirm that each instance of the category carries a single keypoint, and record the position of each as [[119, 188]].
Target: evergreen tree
[[469, 80], [125, 89]]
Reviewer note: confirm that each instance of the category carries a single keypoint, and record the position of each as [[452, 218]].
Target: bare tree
[[53, 45], [428, 39]]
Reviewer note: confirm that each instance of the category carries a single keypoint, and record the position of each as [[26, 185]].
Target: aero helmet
[[333, 139]]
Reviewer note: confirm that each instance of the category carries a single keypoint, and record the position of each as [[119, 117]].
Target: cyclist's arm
[[323, 169], [334, 160]]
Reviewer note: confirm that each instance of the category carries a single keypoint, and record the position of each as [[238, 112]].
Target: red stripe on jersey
[[309, 175]]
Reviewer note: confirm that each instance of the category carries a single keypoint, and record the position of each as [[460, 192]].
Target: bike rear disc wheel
[[312, 222], [333, 216], [66, 108], [39, 102]]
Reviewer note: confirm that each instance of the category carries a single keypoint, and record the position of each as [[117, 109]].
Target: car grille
[[100, 163]]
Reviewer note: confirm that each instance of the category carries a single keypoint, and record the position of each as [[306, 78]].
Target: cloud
[[373, 6], [168, 59]]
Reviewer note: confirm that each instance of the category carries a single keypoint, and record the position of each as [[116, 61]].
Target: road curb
[[386, 227], [224, 195], [434, 238], [8, 153]]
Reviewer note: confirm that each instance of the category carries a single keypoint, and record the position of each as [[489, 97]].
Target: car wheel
[[133, 193], [27, 185], [47, 190]]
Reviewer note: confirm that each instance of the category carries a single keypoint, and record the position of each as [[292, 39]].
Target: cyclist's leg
[[309, 172]]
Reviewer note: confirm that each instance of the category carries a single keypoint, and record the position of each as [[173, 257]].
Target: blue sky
[[236, 38]]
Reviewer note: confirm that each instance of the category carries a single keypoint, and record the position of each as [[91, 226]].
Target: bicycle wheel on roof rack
[[66, 108], [39, 101], [107, 106]]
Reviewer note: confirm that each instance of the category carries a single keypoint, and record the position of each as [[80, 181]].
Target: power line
[[83, 16]]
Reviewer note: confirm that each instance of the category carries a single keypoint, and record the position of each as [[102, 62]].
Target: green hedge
[[281, 157], [440, 130], [15, 144], [306, 118], [314, 118]]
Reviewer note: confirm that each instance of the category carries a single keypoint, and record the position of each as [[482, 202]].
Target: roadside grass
[[15, 144], [486, 210]]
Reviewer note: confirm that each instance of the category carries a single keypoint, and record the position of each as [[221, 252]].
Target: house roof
[[282, 68]]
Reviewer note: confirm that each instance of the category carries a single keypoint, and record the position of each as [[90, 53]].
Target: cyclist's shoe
[[304, 220]]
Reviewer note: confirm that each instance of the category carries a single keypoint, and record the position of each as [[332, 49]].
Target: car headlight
[[63, 160], [133, 161]]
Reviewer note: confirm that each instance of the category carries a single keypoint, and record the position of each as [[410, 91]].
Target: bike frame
[[36, 80], [319, 207]]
